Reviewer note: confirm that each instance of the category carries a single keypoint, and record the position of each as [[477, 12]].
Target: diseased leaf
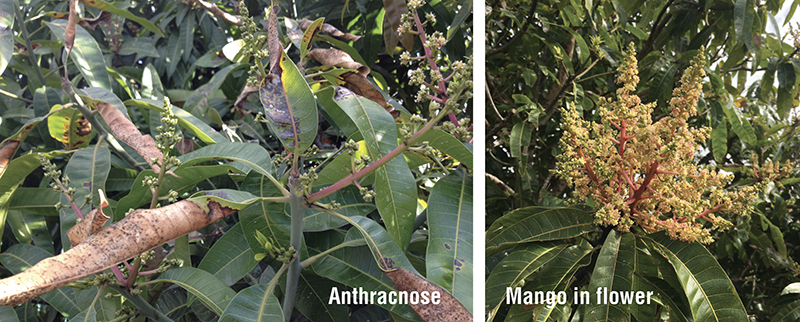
[[67, 125], [91, 223], [309, 34], [449, 308], [329, 29], [449, 251], [391, 22], [290, 107]]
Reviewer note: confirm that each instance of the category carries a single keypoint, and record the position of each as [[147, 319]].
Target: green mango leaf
[[15, 172], [449, 145], [662, 84], [515, 268], [266, 217], [6, 34], [30, 228], [188, 177], [105, 6], [86, 54], [173, 52], [719, 132], [613, 272], [87, 170], [141, 46], [87, 315], [519, 142], [788, 307], [315, 292], [352, 205], [711, 294], [200, 129], [197, 103], [7, 313], [70, 127], [253, 304], [394, 184], [449, 253], [740, 125], [230, 258], [354, 267], [670, 297], [290, 107], [210, 290], [537, 224], [786, 79], [20, 257], [251, 155]]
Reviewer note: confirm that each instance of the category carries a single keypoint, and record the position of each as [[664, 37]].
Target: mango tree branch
[[28, 44], [137, 233], [298, 209], [375, 165]]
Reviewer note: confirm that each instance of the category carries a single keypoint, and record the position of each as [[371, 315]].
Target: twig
[[145, 308], [28, 43], [212, 8], [500, 183]]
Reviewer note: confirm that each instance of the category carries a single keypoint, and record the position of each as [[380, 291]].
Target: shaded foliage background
[[543, 54]]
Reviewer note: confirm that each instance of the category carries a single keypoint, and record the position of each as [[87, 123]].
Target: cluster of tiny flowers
[[643, 172]]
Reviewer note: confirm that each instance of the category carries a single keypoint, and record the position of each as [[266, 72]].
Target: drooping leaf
[[786, 79], [210, 290], [711, 294], [86, 54], [253, 304], [197, 103], [449, 252], [613, 272], [448, 308], [537, 224], [396, 198]]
